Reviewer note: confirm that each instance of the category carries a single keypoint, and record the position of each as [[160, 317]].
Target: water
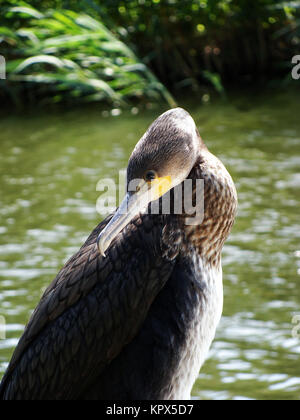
[[49, 168]]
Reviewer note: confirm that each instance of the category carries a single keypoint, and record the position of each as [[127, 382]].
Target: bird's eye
[[150, 176]]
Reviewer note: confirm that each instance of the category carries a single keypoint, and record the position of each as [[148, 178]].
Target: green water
[[49, 168]]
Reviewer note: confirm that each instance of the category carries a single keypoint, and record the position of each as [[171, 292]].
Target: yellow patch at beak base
[[161, 186]]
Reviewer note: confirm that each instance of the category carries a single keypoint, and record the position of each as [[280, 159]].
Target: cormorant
[[136, 322]]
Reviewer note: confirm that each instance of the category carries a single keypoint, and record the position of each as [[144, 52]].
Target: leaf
[[7, 32], [136, 67], [103, 86], [71, 54], [69, 40], [27, 11], [28, 34], [41, 59], [215, 80], [67, 19], [89, 23]]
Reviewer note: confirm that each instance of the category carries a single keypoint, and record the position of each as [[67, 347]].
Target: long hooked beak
[[133, 204]]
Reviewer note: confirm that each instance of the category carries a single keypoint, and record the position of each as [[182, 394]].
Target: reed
[[124, 51], [65, 56]]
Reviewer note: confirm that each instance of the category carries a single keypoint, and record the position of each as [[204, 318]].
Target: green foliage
[[64, 55], [240, 40], [236, 39], [186, 43]]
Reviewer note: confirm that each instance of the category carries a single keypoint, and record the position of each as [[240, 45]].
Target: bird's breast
[[202, 328]]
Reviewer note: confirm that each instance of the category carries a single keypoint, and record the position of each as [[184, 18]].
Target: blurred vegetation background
[[136, 51]]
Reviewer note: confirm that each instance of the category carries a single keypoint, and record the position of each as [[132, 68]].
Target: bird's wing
[[93, 308]]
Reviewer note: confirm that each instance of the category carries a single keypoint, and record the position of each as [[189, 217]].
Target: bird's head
[[161, 160]]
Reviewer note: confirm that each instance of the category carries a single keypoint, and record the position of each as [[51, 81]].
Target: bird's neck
[[218, 208]]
